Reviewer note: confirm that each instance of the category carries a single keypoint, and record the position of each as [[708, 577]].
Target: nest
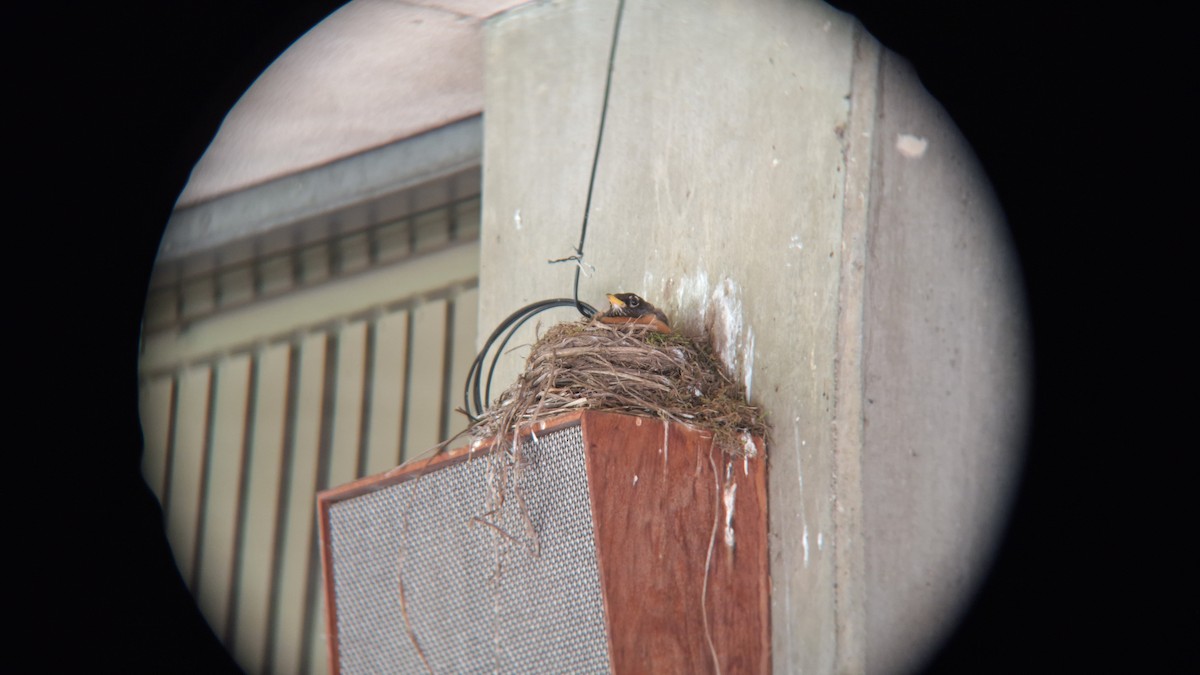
[[628, 369]]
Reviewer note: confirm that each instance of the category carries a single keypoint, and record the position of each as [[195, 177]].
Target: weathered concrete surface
[[718, 197], [859, 145], [544, 86], [946, 368], [739, 185]]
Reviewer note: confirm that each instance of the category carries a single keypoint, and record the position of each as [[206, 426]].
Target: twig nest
[[628, 369]]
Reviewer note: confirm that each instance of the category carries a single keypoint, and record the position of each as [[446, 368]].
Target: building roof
[[372, 73]]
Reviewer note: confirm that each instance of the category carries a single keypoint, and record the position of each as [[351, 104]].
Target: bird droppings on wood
[[629, 369]]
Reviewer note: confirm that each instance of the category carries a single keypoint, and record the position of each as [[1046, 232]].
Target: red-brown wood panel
[[657, 493], [654, 493]]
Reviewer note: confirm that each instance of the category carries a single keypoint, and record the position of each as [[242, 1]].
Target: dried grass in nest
[[628, 369]]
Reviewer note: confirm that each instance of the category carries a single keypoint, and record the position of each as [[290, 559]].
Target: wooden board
[[655, 488], [677, 596]]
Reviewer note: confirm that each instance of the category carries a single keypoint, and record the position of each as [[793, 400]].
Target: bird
[[628, 308]]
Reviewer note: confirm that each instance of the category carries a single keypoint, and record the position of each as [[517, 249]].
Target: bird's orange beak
[[616, 302]]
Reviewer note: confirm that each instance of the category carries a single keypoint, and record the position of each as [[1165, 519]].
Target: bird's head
[[622, 302]]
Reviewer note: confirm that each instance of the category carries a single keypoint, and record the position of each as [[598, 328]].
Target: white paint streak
[[912, 147], [732, 341], [517, 218], [748, 447], [820, 541], [796, 243], [747, 354], [666, 446], [691, 294], [729, 497], [800, 488]]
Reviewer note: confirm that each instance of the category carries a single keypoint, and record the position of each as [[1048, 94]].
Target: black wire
[[475, 393], [587, 205], [561, 302]]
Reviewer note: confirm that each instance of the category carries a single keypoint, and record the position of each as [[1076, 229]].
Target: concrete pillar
[[769, 175], [945, 369]]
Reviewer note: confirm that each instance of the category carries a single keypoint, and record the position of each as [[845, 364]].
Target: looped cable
[[476, 392]]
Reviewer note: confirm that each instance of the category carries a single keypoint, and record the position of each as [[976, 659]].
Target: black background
[[1075, 113]]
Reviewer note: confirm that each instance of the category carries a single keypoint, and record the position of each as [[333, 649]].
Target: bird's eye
[[634, 301]]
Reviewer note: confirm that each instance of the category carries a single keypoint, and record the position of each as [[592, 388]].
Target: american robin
[[628, 308]]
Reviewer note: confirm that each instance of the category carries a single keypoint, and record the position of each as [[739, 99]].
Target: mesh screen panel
[[477, 599]]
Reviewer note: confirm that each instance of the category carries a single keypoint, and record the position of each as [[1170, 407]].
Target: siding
[[279, 366]]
